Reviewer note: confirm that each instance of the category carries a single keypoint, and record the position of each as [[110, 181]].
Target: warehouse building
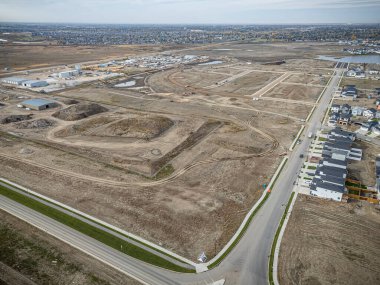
[[39, 104], [69, 73], [35, 83], [14, 80]]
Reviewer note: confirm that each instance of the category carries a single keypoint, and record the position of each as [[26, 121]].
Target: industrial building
[[69, 73], [14, 80], [39, 104], [35, 83]]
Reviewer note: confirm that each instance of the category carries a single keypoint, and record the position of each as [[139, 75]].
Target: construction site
[[177, 155], [326, 242]]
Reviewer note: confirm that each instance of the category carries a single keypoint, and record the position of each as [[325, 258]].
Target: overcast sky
[[191, 11]]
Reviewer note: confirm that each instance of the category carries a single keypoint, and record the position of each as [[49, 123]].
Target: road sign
[[202, 257]]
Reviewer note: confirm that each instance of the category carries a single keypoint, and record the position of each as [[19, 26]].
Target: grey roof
[[34, 81], [345, 116], [334, 180], [330, 170], [317, 183], [335, 161], [340, 132], [338, 151], [15, 79], [338, 145], [37, 102]]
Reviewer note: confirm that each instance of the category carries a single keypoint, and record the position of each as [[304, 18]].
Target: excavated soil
[[84, 128], [36, 124], [139, 127], [15, 118], [70, 101], [79, 111]]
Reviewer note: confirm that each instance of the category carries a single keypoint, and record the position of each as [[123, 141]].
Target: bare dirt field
[[175, 160], [29, 257], [304, 78], [19, 57], [295, 92], [326, 242], [364, 170], [248, 84], [361, 83], [268, 52]]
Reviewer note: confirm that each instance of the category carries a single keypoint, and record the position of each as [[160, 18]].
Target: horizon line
[[203, 24]]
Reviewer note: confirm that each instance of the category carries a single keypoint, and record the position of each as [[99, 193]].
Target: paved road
[[246, 264]]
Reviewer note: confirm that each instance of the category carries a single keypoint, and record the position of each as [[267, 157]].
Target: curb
[[93, 219], [229, 246], [297, 138], [278, 244]]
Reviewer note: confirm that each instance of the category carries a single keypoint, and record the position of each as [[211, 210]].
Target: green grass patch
[[271, 258], [321, 139], [100, 224], [348, 183], [165, 171], [354, 192], [98, 234], [278, 174], [307, 178], [311, 167]]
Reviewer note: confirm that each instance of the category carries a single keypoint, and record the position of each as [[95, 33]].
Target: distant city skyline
[[191, 11]]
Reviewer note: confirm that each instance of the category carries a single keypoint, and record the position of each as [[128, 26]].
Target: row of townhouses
[[331, 173]]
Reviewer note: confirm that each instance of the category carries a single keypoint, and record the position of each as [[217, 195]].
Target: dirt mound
[[70, 101], [85, 127], [36, 124], [140, 127], [79, 111], [15, 118]]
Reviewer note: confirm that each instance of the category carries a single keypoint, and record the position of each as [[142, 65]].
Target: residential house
[[377, 102], [360, 75], [327, 190], [376, 130], [344, 119], [323, 170], [349, 92], [346, 109], [335, 108], [351, 73], [369, 113], [333, 120], [367, 126], [335, 163], [337, 133], [357, 111]]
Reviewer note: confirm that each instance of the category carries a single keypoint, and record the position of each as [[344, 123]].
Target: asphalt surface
[[103, 228], [248, 261]]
